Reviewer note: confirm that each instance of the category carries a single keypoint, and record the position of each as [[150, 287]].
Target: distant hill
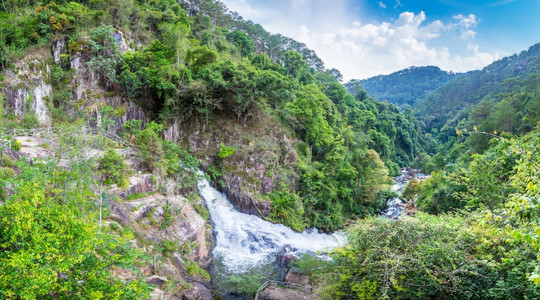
[[444, 108], [406, 86]]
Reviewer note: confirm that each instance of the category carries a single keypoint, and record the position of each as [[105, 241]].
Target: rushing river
[[395, 207], [248, 244]]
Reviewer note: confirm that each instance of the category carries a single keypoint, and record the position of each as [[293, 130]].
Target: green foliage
[[149, 148], [425, 258], [5, 173], [170, 247], [105, 52], [403, 87], [194, 269], [30, 121], [49, 248], [287, 208], [149, 74], [245, 284], [242, 42], [132, 127], [310, 111], [482, 96], [113, 168], [16, 145], [440, 194], [225, 151], [6, 161]]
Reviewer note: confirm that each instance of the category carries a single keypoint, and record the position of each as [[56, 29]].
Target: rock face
[[243, 200], [140, 184], [59, 48], [27, 88], [173, 224], [264, 157], [159, 218]]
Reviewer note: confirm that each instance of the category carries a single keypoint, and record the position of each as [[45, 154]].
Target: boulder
[[296, 278], [275, 292], [197, 291], [156, 280]]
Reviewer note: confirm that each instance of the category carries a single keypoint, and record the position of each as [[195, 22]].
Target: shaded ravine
[[248, 244]]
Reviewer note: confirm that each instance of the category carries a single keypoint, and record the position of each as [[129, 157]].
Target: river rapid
[[247, 244]]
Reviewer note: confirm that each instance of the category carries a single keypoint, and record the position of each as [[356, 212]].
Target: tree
[[149, 148], [242, 42], [105, 52]]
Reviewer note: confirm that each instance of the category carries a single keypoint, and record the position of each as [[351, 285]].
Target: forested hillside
[[405, 87], [443, 109]]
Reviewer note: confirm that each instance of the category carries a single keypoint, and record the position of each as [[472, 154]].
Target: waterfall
[[244, 242]]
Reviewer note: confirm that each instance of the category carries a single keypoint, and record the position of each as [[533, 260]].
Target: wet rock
[[286, 256], [275, 292], [296, 278], [244, 201], [284, 260], [197, 291]]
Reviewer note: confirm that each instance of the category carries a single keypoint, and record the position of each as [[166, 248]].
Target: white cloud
[[466, 21], [381, 4], [360, 48], [366, 50]]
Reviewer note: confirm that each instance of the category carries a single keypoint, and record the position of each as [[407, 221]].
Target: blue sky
[[364, 38]]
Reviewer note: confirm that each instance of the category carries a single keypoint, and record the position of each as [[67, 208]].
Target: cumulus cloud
[[381, 4], [366, 50], [360, 47]]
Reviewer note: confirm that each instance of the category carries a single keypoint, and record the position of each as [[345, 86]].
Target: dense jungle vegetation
[[477, 235]]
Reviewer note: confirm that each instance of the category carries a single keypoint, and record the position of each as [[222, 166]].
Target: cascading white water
[[246, 241], [395, 206]]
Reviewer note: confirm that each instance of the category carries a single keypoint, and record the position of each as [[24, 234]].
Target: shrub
[[287, 208], [6, 161], [132, 128], [150, 149], [245, 284], [225, 151], [429, 257], [195, 270], [16, 145], [6, 173], [112, 168]]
